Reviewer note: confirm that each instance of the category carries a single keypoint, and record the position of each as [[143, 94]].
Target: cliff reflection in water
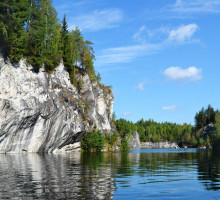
[[67, 176], [104, 175]]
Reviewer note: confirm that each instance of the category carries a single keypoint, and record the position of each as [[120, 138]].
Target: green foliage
[[124, 127], [216, 136], [92, 141], [208, 142], [201, 142], [205, 117], [150, 131], [111, 139], [42, 44], [217, 125], [65, 46], [124, 144], [13, 15], [194, 142], [30, 29], [80, 83]]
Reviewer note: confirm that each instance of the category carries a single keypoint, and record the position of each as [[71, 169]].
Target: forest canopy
[[31, 29]]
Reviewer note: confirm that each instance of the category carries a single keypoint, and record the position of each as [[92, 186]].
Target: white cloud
[[140, 86], [143, 34], [125, 54], [183, 33], [173, 107], [140, 35], [196, 6], [179, 74], [99, 19], [127, 113]]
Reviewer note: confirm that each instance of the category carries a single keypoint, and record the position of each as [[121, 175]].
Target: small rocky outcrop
[[134, 142], [208, 130], [158, 145], [42, 112]]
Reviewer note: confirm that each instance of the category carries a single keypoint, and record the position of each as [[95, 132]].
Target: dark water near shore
[[138, 174]]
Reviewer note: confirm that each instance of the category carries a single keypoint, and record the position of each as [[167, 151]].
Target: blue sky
[[162, 57]]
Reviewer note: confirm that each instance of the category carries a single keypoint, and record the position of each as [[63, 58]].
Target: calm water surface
[[138, 174]]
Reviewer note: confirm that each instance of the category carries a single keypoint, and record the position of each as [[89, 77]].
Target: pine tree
[[88, 58], [210, 115], [66, 51], [200, 119], [13, 16]]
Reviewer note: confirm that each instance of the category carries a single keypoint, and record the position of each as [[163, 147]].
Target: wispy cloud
[[124, 54], [166, 108], [183, 33], [179, 74], [127, 113], [140, 35], [140, 86], [99, 19], [196, 6], [144, 35]]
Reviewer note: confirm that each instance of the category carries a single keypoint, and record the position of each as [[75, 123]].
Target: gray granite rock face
[[42, 112]]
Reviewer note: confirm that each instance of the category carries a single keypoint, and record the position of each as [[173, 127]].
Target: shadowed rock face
[[44, 113]]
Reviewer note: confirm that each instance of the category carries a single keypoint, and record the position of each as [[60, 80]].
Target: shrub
[[111, 139], [124, 144], [92, 141]]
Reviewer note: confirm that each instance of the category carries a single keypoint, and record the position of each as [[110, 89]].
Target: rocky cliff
[[42, 112]]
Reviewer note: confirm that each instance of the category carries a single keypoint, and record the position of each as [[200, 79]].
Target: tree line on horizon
[[151, 131], [31, 29], [183, 134]]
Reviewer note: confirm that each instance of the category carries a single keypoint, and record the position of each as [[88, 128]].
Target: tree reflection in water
[[100, 175], [209, 169]]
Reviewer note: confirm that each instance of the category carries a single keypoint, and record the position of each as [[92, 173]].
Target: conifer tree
[[66, 50], [65, 45], [43, 37], [13, 16]]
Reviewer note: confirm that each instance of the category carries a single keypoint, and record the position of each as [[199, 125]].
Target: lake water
[[138, 174]]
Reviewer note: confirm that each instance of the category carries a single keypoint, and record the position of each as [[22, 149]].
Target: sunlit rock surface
[[44, 113], [134, 142], [158, 145]]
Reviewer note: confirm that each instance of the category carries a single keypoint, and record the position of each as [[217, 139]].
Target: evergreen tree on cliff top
[[43, 35], [65, 45], [30, 29], [13, 15]]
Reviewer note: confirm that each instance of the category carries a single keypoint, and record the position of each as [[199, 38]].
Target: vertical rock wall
[[42, 112]]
